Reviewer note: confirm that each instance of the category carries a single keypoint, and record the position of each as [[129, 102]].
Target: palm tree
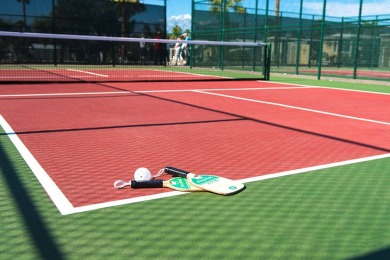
[[235, 5], [277, 7], [277, 23], [222, 7], [176, 32], [127, 8], [24, 2]]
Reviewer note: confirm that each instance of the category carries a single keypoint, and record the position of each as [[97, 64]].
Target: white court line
[[342, 89], [66, 94], [294, 107], [314, 168], [190, 73], [54, 192], [219, 89], [88, 72]]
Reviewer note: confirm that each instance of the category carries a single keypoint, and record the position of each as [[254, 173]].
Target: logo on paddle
[[180, 183], [205, 179]]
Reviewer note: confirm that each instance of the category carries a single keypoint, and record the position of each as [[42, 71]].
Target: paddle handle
[[147, 184], [176, 172]]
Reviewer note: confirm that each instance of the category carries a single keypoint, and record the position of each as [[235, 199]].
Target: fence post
[[311, 40], [265, 32], [255, 37], [266, 22], [54, 31], [277, 39], [374, 43], [355, 64], [191, 47], [222, 49], [321, 41], [299, 40], [341, 45]]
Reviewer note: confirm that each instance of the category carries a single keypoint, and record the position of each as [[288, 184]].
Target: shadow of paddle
[[37, 229]]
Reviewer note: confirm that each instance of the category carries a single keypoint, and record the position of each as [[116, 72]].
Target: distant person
[[178, 50], [142, 50], [159, 50], [185, 51]]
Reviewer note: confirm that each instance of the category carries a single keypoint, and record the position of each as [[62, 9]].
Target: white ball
[[142, 174]]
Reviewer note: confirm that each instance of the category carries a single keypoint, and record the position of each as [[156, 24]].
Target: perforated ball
[[142, 174]]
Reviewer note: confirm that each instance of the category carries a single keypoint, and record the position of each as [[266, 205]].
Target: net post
[[268, 50], [321, 41]]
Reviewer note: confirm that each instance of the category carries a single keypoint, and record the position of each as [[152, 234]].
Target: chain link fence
[[321, 38]]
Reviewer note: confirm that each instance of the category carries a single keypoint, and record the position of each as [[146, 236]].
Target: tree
[[176, 32], [279, 26], [235, 5], [87, 17], [277, 7], [221, 8], [24, 2], [127, 8]]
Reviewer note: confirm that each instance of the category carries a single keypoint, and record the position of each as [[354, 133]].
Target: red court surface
[[238, 130]]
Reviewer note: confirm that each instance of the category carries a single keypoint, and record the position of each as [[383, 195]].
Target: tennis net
[[38, 57]]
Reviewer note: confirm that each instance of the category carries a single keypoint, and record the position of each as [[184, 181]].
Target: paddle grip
[[176, 172], [147, 184]]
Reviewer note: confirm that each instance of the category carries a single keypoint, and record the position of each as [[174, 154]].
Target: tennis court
[[80, 133], [78, 138]]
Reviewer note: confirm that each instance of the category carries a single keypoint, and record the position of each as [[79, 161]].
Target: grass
[[334, 83], [336, 213]]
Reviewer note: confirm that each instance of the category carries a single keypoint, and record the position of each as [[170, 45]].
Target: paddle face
[[181, 184], [211, 183]]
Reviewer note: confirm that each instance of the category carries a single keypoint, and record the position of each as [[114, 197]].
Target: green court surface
[[335, 213]]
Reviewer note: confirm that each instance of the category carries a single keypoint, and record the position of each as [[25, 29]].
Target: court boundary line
[[65, 94], [139, 91], [65, 207], [57, 196], [191, 74], [342, 89], [295, 107], [88, 72], [297, 86], [219, 89]]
